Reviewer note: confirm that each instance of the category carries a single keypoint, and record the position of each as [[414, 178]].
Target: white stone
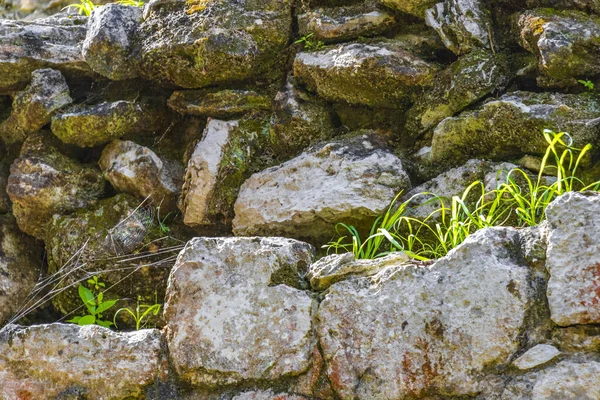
[[569, 381], [536, 356]]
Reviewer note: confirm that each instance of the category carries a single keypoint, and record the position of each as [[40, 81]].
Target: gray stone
[[20, 263], [224, 104], [109, 47], [512, 125], [536, 356], [137, 170], [349, 180], [569, 381], [45, 361], [196, 44], [267, 395], [33, 107], [43, 181], [235, 312], [463, 25], [382, 74], [573, 259], [424, 331]]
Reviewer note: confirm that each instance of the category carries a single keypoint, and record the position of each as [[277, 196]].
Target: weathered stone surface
[[536, 356], [345, 23], [29, 45], [463, 25], [573, 259], [267, 395], [88, 126], [414, 7], [337, 267], [569, 381], [226, 103], [47, 361], [137, 170], [109, 47], [235, 312], [420, 331], [43, 181], [512, 126], [348, 180], [197, 44], [565, 42], [463, 83], [20, 262], [120, 242], [382, 74], [33, 107]]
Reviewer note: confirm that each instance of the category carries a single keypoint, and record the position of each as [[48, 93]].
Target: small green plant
[[139, 315], [162, 225], [94, 303], [588, 84], [310, 44], [85, 7], [131, 3]]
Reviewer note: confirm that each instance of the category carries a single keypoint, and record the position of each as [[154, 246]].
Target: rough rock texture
[[109, 47], [463, 25], [200, 43], [512, 126], [568, 381], [51, 361], [382, 74], [414, 7], [33, 107], [20, 262], [120, 242], [236, 313], [565, 43], [536, 356], [427, 330], [463, 83], [349, 180], [225, 104], [267, 395], [51, 42], [88, 126], [137, 170], [345, 23], [573, 259], [43, 181]]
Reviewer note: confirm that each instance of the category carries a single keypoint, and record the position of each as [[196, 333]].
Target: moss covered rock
[[414, 7], [226, 103]]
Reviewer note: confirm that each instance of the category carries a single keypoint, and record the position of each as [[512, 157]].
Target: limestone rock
[[119, 241], [569, 381], [421, 331], [463, 25], [512, 125], [47, 361], [88, 126], [267, 395], [33, 107], [536, 356], [337, 24], [20, 262], [235, 312], [573, 259], [563, 41], [109, 47], [202, 43], [347, 180], [43, 181], [463, 83], [137, 170], [225, 104], [382, 74], [414, 7], [44, 43]]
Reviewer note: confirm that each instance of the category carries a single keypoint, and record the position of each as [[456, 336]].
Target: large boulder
[[236, 312], [565, 43], [29, 45], [573, 259], [57, 360], [20, 261], [382, 74], [224, 104], [33, 107], [137, 170], [415, 331], [109, 47], [350, 180], [44, 181], [200, 43], [512, 125], [88, 126]]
